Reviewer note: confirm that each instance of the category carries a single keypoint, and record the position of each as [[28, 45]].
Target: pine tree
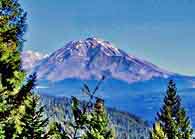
[[34, 122], [157, 132], [172, 117], [12, 27], [56, 131], [98, 126], [91, 119], [12, 24], [185, 130], [13, 86]]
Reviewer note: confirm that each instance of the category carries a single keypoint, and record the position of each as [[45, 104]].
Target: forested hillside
[[127, 126]]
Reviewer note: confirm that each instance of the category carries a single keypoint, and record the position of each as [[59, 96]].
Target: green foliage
[[33, 121], [17, 103], [89, 121], [172, 117], [185, 130], [157, 132], [56, 131], [12, 24], [12, 28], [97, 126]]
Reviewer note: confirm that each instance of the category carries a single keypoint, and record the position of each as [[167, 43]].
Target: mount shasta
[[132, 84]]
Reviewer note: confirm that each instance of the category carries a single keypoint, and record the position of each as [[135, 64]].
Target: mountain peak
[[91, 59], [98, 41], [92, 44]]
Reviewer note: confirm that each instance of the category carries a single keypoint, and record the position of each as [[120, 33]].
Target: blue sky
[[160, 31]]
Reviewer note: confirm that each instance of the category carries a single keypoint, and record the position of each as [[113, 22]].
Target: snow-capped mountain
[[30, 59], [132, 84], [91, 58]]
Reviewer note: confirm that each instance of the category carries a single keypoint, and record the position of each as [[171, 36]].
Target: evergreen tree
[[12, 27], [157, 132], [91, 120], [14, 90], [12, 24], [172, 117], [98, 126], [33, 120], [56, 131], [185, 130]]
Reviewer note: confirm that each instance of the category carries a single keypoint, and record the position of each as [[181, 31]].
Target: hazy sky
[[160, 31]]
